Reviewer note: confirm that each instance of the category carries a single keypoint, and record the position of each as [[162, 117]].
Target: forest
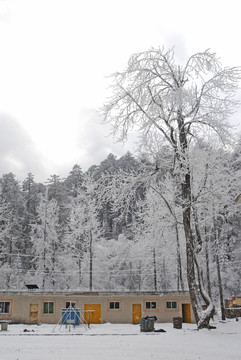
[[165, 219], [117, 226]]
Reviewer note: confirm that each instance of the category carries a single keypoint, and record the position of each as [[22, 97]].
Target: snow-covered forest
[[118, 227]]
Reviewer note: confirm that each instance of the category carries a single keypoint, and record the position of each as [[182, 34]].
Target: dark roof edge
[[90, 293]]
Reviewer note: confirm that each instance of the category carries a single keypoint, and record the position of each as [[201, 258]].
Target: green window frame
[[114, 305], [48, 307], [4, 307], [151, 305], [171, 305]]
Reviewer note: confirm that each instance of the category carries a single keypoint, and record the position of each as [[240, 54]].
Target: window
[[171, 305], [114, 305], [4, 307], [48, 307], [70, 304], [150, 305]]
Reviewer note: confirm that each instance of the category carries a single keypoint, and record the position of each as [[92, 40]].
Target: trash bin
[[177, 322], [4, 326], [147, 324], [70, 316]]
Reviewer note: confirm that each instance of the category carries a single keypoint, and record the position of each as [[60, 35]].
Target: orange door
[[136, 313], [33, 313], [186, 313], [92, 313]]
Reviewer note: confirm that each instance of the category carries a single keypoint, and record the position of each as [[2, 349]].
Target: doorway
[[186, 313], [136, 313], [33, 314], [93, 313]]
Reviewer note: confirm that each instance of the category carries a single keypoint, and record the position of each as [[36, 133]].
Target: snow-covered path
[[115, 341]]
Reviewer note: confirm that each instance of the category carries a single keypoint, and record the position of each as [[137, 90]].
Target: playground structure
[[73, 316]]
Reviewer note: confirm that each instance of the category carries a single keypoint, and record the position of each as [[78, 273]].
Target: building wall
[[20, 305], [236, 300]]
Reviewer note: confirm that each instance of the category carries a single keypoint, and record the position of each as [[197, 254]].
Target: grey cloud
[[17, 152], [94, 138]]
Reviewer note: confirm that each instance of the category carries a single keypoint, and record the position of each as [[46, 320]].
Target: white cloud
[[56, 54]]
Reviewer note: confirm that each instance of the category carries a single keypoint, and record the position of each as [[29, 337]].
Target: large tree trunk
[[190, 263], [202, 316]]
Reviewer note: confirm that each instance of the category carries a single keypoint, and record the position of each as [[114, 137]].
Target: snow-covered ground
[[118, 341]]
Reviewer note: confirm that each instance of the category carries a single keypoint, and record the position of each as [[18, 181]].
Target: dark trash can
[[147, 323], [4, 325], [177, 322]]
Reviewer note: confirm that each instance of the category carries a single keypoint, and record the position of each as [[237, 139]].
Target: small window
[[48, 307], [114, 305], [150, 305], [171, 305], [4, 307], [70, 304]]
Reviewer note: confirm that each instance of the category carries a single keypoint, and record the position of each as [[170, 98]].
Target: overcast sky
[[55, 56]]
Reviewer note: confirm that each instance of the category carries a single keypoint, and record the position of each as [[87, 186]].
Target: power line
[[119, 256]]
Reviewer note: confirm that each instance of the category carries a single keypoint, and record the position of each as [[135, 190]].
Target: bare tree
[[154, 95]]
